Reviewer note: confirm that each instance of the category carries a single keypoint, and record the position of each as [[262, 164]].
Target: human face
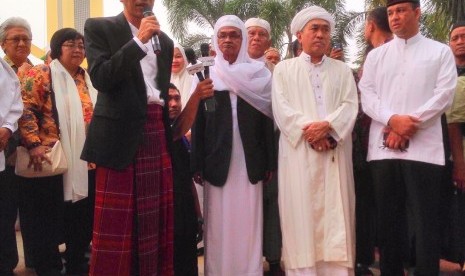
[[404, 20], [178, 61], [17, 45], [259, 41], [72, 54], [315, 37], [457, 42], [229, 42], [134, 9], [174, 103], [273, 57]]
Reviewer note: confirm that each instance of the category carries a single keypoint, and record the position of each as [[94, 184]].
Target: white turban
[[258, 22], [314, 12]]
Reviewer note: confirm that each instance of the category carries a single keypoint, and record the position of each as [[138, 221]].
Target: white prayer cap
[[314, 12], [228, 21], [258, 22]]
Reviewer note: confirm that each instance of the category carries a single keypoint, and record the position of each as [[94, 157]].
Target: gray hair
[[11, 23]]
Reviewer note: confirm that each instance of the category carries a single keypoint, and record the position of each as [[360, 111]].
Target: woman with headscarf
[[58, 105], [233, 152], [179, 75]]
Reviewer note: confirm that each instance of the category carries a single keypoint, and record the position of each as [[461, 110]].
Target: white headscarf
[[247, 78], [258, 22], [182, 80], [314, 12]]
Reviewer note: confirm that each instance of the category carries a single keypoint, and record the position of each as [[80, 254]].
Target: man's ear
[[371, 26], [299, 36]]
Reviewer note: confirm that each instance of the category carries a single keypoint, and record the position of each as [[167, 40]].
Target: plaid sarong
[[134, 210]]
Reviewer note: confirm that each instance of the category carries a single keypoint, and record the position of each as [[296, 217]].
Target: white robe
[[234, 217], [316, 189]]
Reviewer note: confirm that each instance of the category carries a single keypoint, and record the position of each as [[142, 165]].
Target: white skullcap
[[314, 12], [258, 22]]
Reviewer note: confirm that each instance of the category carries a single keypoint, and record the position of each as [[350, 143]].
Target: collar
[[308, 59], [80, 72], [414, 39], [461, 70], [12, 65]]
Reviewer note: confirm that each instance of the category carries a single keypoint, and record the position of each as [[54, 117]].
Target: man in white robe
[[258, 32], [315, 104], [233, 152]]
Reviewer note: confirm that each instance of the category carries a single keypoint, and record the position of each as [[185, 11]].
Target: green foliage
[[438, 15]]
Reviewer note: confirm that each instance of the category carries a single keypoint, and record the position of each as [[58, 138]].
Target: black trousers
[[185, 233], [272, 237], [398, 183], [78, 223], [365, 227], [41, 217], [9, 188]]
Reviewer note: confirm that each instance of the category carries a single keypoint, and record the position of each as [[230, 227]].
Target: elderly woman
[[233, 152], [58, 105], [15, 39]]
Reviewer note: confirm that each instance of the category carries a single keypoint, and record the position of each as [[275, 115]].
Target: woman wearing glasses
[[58, 105]]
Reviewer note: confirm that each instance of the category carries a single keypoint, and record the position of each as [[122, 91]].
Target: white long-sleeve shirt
[[414, 77], [11, 104]]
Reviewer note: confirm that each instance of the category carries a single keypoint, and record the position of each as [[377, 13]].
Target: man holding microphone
[[129, 140]]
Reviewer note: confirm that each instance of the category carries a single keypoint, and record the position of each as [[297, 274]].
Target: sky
[[32, 10]]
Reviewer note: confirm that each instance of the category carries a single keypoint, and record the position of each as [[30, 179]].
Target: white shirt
[[11, 104], [149, 68], [315, 71], [414, 77]]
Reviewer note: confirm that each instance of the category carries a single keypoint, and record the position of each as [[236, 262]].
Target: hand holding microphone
[[149, 29], [206, 84]]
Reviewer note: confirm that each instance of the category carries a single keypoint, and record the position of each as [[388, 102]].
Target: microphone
[[155, 41], [194, 68], [207, 61], [205, 49], [197, 68]]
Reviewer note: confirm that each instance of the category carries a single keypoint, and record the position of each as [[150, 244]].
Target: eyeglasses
[[17, 40], [232, 36], [73, 46]]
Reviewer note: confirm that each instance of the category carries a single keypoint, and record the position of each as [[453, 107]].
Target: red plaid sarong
[[144, 190]]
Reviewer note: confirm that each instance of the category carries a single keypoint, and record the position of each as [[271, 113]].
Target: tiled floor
[[447, 268]]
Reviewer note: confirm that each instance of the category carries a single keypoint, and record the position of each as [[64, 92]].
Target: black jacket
[[115, 131], [212, 141]]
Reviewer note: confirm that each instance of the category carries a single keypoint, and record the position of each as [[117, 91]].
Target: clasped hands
[[316, 134], [399, 131]]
